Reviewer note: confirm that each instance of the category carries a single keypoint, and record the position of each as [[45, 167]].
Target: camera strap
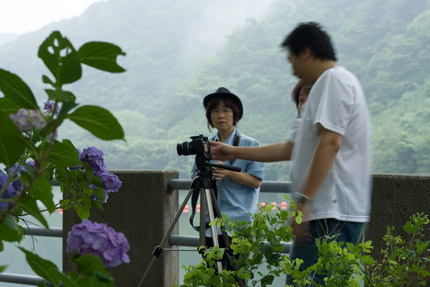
[[236, 142], [197, 188], [194, 199]]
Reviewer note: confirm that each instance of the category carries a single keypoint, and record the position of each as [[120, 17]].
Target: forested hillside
[[177, 53]]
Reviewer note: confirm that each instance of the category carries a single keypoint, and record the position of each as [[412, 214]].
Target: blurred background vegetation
[[179, 51]]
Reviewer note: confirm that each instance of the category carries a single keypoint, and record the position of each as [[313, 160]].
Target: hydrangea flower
[[16, 170], [9, 191], [94, 157], [27, 120], [95, 187], [99, 240], [49, 108], [110, 181]]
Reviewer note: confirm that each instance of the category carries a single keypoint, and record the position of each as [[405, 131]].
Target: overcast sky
[[21, 16]]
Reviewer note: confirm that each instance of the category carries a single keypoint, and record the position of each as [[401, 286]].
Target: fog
[[179, 51]]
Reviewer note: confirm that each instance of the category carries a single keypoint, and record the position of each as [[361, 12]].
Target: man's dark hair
[[310, 35]]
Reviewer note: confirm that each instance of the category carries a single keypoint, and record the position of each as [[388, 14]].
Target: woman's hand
[[221, 151], [220, 173]]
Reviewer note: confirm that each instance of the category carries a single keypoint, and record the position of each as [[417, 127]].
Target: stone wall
[[142, 210], [394, 199]]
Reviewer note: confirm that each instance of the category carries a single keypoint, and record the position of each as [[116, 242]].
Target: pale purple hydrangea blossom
[[15, 170], [99, 240], [27, 120], [9, 192], [94, 157], [111, 182], [49, 108]]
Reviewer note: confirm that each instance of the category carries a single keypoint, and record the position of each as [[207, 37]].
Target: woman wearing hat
[[237, 192]]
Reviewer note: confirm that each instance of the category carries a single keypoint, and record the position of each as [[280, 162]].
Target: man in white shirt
[[331, 175]]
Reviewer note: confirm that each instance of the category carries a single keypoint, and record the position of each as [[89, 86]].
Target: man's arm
[[267, 153], [325, 153]]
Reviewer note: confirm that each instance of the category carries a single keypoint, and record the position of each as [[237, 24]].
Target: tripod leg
[[158, 249], [203, 207], [213, 227], [225, 236]]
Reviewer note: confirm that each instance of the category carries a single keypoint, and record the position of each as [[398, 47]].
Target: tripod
[[206, 185]]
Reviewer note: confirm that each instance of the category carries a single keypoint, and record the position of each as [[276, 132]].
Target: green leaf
[[64, 154], [43, 268], [11, 141], [63, 96], [101, 55], [8, 106], [63, 278], [267, 280], [42, 190], [29, 204], [47, 80], [61, 58], [3, 268], [99, 121], [10, 230], [82, 207], [89, 264], [16, 90]]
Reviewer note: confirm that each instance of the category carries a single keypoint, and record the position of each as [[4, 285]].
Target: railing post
[[395, 198], [142, 210]]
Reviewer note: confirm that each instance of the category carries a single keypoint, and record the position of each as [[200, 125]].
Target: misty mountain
[[180, 51], [164, 40]]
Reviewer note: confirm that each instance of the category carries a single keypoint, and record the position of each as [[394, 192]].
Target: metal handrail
[[194, 241], [22, 279], [266, 186], [38, 231]]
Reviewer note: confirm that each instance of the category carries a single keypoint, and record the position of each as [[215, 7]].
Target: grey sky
[[21, 16]]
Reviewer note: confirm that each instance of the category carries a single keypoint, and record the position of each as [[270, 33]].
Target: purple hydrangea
[[99, 240], [49, 108], [15, 170], [95, 187], [94, 157], [27, 120], [8, 193], [110, 181]]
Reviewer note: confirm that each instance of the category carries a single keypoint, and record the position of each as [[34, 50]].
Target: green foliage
[[54, 160], [404, 263]]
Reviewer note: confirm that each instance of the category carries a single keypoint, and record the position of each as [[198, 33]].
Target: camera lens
[[179, 149], [185, 148]]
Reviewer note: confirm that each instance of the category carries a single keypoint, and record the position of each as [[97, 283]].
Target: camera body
[[199, 145]]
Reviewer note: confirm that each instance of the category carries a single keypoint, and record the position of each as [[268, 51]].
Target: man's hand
[[221, 151], [301, 231]]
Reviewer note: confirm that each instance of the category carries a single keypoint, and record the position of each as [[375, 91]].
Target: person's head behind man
[[308, 44]]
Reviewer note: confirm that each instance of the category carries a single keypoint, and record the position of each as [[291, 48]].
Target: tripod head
[[199, 145]]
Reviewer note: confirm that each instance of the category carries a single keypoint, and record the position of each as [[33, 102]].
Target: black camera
[[198, 145]]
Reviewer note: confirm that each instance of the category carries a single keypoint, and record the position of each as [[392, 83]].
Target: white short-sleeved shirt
[[337, 102]]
